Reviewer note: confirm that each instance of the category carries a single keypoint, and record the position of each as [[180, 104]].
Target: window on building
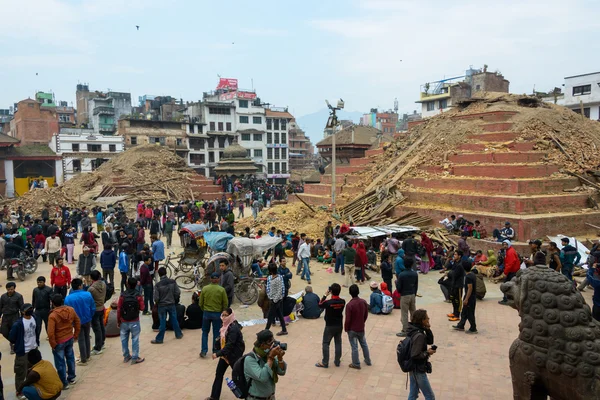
[[269, 138], [257, 152], [94, 147], [269, 153], [270, 168], [245, 136], [586, 111], [283, 138], [134, 140], [220, 155], [430, 105], [243, 119], [257, 120], [212, 127], [228, 126], [276, 124], [257, 137], [284, 168], [276, 167], [220, 125], [243, 103], [211, 142], [179, 142], [276, 157], [283, 154], [75, 147], [276, 137], [211, 156], [76, 165], [443, 104], [248, 153], [283, 124], [477, 87], [191, 128], [197, 159], [269, 123], [219, 110], [112, 148], [157, 140], [584, 89]]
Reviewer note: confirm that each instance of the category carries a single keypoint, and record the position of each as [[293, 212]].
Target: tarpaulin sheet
[[217, 240], [573, 242], [383, 230], [246, 248]]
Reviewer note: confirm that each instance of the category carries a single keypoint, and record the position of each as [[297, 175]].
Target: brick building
[[384, 121], [33, 123], [165, 133]]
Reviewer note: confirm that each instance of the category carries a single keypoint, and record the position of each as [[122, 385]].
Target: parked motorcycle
[[24, 264]]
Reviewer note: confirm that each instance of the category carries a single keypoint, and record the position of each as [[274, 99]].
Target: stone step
[[497, 126], [314, 200], [208, 195], [340, 179], [205, 188], [504, 186], [360, 161], [497, 157], [374, 152], [494, 136], [490, 116], [348, 169], [502, 171], [507, 204], [515, 146], [526, 226], [325, 190]]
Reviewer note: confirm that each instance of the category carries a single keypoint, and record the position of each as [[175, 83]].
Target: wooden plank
[[306, 204], [581, 178], [409, 165]]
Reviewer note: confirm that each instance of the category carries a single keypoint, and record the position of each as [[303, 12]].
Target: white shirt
[[29, 339], [304, 251]]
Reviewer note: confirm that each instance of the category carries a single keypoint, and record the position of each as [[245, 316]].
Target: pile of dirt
[[148, 172], [292, 217]]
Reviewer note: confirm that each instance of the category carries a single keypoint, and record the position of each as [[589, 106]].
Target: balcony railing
[[104, 110], [106, 127]]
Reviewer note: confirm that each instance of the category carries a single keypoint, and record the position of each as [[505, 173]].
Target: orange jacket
[[63, 324]]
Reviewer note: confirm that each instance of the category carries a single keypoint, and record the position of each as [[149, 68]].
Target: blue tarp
[[217, 240]]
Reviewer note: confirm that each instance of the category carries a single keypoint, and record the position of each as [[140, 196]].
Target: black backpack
[[239, 378], [110, 290], [403, 353], [130, 310]]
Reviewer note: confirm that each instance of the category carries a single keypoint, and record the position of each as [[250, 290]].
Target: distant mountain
[[314, 124]]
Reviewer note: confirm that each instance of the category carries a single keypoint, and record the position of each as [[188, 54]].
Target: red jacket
[[140, 236], [60, 276], [511, 261], [357, 312], [148, 213]]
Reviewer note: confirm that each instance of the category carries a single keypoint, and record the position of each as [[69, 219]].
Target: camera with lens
[[282, 346]]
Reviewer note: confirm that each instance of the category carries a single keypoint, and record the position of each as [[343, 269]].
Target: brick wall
[[490, 82], [33, 124]]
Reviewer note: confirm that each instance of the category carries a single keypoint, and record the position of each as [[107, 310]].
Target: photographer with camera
[[264, 366], [419, 332]]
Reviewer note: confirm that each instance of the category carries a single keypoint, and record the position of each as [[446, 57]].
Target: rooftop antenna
[[396, 105]]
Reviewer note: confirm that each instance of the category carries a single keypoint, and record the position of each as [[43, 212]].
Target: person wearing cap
[[511, 265], [376, 299], [86, 264], [569, 257], [310, 301], [264, 366], [24, 336], [506, 233], [534, 246], [213, 301], [166, 296]]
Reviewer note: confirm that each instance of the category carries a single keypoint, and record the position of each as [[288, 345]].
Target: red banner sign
[[227, 83], [239, 95]]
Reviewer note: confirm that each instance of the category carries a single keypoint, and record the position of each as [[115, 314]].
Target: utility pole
[[332, 122]]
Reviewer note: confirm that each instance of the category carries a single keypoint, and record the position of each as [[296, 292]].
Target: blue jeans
[[567, 270], [162, 316], [355, 339], [30, 392], [214, 318], [306, 269], [419, 381], [339, 262], [64, 361], [256, 268], [134, 328]]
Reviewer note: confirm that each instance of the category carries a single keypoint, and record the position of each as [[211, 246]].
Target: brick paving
[[464, 367]]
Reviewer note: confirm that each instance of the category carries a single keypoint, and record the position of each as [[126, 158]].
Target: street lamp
[[332, 122]]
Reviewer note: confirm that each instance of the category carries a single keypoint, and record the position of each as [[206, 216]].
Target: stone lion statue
[[557, 353]]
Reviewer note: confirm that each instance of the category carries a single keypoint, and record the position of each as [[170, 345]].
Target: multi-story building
[[582, 94], [301, 150], [171, 134], [6, 115], [33, 123], [438, 96], [84, 150], [45, 99], [66, 115], [106, 109], [384, 121], [352, 142], [278, 124]]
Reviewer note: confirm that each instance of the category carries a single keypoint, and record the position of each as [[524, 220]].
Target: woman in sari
[[360, 262], [427, 258]]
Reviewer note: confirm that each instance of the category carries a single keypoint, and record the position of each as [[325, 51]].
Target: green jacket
[[263, 382], [213, 298], [349, 255], [168, 227]]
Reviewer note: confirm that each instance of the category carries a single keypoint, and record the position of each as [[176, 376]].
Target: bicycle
[[189, 282], [247, 289]]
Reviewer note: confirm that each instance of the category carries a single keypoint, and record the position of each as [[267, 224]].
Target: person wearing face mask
[[231, 348], [24, 336], [264, 366]]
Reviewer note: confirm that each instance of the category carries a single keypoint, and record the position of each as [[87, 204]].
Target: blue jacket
[[399, 264], [123, 262], [17, 334], [108, 259], [83, 303], [595, 283], [158, 250], [376, 302]]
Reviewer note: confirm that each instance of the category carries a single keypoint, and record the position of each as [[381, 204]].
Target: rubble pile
[[148, 172]]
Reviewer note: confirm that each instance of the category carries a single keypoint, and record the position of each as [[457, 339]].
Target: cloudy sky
[[295, 54]]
